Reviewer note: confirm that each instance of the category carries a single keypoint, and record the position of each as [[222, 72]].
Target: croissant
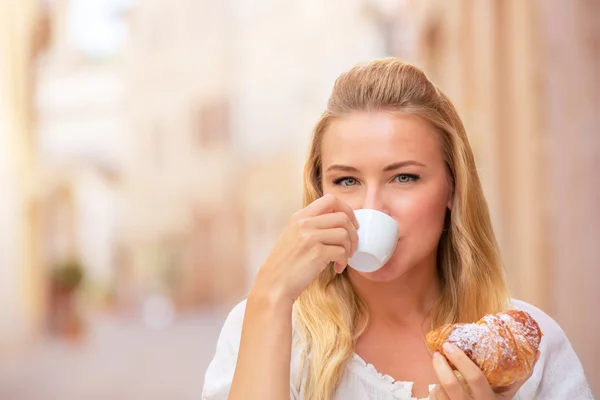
[[503, 345]]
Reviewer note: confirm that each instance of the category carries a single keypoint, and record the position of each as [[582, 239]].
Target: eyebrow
[[391, 167]]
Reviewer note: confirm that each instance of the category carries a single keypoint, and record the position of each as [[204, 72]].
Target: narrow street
[[118, 360]]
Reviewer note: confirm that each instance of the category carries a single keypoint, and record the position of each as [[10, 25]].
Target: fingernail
[[437, 354], [449, 347]]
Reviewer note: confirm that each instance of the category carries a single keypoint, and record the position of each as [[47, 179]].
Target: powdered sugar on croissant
[[504, 345]]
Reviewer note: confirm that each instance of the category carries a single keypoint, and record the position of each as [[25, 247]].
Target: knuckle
[[296, 216], [318, 251], [344, 233], [305, 238], [348, 220], [457, 356], [340, 218], [300, 223]]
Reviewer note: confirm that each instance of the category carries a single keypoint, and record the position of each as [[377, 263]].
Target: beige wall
[[524, 76], [570, 99]]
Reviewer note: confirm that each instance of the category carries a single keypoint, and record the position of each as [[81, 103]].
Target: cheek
[[421, 211]]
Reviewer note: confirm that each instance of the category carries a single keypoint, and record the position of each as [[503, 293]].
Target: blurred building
[[81, 126], [183, 217], [60, 130], [21, 281], [525, 78], [222, 114]]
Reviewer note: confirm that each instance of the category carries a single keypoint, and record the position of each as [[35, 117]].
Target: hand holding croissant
[[501, 348]]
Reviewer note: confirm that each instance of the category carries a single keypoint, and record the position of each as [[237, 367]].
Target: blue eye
[[406, 178], [345, 181]]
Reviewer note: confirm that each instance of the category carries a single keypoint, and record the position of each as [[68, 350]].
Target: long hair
[[329, 314]]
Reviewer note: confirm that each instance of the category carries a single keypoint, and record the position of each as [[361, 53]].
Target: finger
[[328, 204], [335, 220], [448, 381], [335, 237], [336, 254], [438, 393], [469, 370], [339, 268]]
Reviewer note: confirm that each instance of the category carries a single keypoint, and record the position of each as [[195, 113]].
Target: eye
[[346, 181], [406, 178]]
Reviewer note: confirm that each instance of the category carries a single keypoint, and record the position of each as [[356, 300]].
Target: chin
[[391, 271]]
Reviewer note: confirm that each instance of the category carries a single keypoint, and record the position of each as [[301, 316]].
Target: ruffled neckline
[[400, 389]]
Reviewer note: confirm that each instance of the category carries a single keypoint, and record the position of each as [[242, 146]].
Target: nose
[[375, 200]]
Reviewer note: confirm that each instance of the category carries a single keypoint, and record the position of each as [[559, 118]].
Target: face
[[392, 163]]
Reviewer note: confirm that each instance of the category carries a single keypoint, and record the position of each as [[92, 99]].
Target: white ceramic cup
[[377, 239]]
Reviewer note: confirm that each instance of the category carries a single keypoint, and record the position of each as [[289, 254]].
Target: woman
[[312, 328]]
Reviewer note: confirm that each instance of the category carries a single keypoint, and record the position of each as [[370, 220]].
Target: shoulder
[[554, 336], [531, 309], [558, 373], [219, 374], [231, 332], [543, 319], [235, 318], [231, 335], [232, 327]]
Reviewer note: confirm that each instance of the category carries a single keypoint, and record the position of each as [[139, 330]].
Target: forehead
[[380, 137]]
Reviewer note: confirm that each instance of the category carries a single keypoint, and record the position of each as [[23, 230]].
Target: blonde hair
[[329, 314]]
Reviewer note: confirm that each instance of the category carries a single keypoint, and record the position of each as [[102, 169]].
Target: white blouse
[[558, 373]]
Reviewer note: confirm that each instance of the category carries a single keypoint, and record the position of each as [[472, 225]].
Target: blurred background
[[151, 151]]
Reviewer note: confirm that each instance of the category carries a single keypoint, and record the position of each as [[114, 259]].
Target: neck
[[407, 300]]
